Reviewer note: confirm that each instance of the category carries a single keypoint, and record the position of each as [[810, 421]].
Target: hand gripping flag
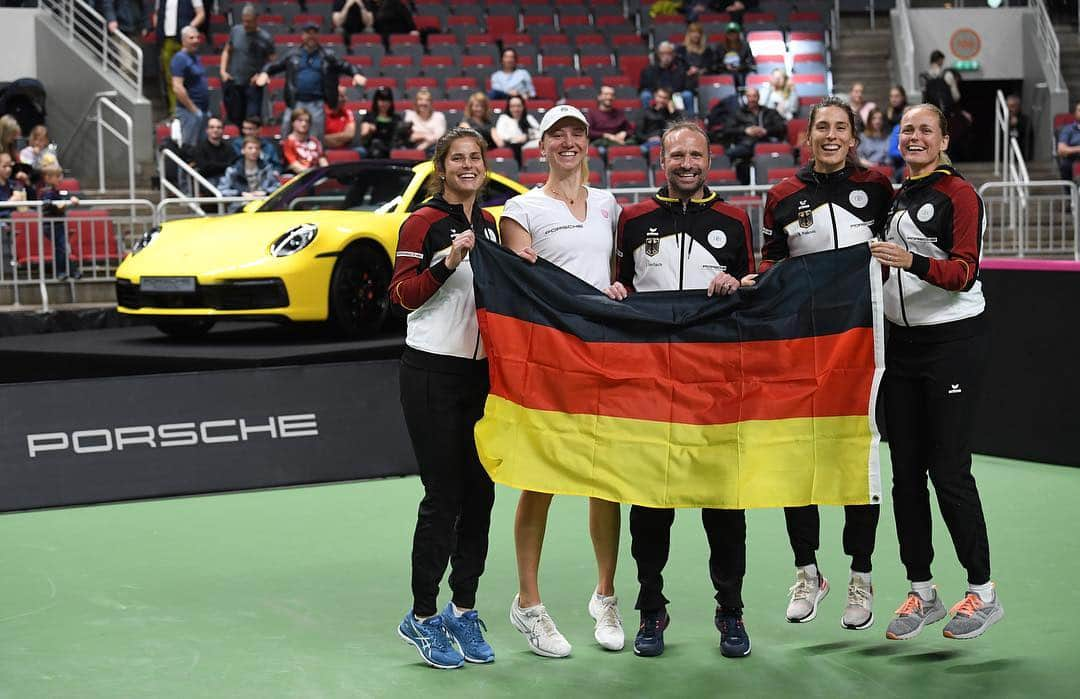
[[673, 399]]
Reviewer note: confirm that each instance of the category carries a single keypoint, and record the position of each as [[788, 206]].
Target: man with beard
[[685, 237], [609, 126]]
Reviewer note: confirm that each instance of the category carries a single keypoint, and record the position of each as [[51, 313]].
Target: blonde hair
[[703, 42], [943, 124], [787, 88], [584, 162], [52, 169], [9, 133], [478, 98]]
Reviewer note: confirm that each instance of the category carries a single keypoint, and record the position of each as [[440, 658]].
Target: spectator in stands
[[381, 129], [191, 88], [212, 156], [1068, 146], [386, 17], [427, 125], [302, 150], [665, 72], [655, 119], [127, 17], [1019, 125], [38, 152], [348, 17], [250, 177], [736, 59], [720, 116], [695, 57], [248, 49], [779, 94], [510, 79], [873, 148], [10, 188], [168, 20], [340, 123], [250, 127], [478, 118], [941, 85], [311, 78], [897, 105], [859, 105], [10, 133], [607, 125], [516, 127], [750, 125], [56, 204]]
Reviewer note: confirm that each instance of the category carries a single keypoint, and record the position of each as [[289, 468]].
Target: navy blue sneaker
[[649, 641], [734, 641], [466, 631], [431, 641]]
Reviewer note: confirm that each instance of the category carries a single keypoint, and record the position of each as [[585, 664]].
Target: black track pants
[[860, 533], [441, 410]]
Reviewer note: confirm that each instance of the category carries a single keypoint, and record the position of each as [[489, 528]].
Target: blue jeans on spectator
[[62, 267], [318, 119], [192, 125]]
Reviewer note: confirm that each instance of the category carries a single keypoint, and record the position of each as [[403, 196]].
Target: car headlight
[[145, 240], [294, 240]]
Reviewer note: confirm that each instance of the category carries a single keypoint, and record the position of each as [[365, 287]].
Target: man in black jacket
[[655, 119], [311, 78], [752, 124]]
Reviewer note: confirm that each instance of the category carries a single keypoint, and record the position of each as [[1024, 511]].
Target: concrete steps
[[864, 55]]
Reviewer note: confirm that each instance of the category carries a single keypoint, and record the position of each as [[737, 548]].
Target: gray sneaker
[[858, 614], [913, 615], [806, 593], [972, 617]]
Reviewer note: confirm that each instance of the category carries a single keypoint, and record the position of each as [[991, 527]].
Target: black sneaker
[[734, 641], [649, 641]]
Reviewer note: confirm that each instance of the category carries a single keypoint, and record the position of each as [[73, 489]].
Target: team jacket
[[440, 301], [664, 245], [941, 220], [812, 211]]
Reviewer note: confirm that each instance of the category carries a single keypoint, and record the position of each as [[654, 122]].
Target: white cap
[[561, 111]]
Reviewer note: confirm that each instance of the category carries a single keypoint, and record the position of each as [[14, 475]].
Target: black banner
[[99, 440]]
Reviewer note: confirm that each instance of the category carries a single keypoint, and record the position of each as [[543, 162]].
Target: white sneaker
[[805, 595], [539, 629], [859, 612], [609, 631]]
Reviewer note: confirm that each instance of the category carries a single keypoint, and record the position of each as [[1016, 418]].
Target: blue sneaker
[[649, 641], [734, 641], [466, 631], [431, 641]]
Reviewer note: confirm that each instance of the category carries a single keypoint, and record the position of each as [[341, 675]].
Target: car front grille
[[238, 295]]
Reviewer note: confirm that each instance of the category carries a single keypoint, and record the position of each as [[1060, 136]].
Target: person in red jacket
[[934, 364], [444, 384], [829, 204]]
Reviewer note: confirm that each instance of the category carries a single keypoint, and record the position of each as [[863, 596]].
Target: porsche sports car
[[319, 248]]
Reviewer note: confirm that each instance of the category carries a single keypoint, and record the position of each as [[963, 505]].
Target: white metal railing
[[224, 205], [905, 55], [1046, 36], [94, 114], [191, 186], [1001, 132], [86, 241], [1031, 218], [112, 51]]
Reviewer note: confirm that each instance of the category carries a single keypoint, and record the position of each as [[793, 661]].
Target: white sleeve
[[616, 211], [504, 126], [517, 211]]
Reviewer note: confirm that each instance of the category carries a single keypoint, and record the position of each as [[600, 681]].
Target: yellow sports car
[[320, 248]]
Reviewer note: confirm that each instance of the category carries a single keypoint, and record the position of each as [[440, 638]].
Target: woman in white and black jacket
[[935, 358], [444, 383], [831, 203]]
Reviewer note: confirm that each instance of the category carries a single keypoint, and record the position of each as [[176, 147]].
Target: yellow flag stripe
[[755, 463]]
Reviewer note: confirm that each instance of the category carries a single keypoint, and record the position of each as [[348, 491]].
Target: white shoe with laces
[[806, 593], [539, 630], [609, 630], [859, 612]]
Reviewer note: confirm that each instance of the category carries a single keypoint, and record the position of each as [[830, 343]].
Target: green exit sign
[[965, 66]]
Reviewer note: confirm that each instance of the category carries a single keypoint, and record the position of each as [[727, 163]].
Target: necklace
[[559, 195]]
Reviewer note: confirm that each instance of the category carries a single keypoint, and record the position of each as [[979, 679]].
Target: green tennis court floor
[[297, 592]]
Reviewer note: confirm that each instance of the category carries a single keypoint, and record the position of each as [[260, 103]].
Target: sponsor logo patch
[[858, 199], [925, 213], [717, 238]]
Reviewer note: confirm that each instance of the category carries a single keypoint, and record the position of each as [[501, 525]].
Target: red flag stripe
[[688, 383]]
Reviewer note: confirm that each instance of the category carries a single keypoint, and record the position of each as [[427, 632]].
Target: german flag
[[672, 399]]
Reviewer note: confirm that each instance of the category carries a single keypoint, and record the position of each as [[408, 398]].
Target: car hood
[[240, 242]]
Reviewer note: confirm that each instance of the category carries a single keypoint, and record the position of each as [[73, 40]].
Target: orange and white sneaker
[[914, 614], [972, 617]]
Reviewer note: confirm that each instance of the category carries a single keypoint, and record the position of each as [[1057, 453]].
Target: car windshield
[[343, 189]]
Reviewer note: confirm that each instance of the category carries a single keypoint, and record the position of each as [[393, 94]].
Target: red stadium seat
[[341, 155], [772, 148], [26, 229], [408, 154], [545, 87], [632, 66], [796, 132], [502, 24], [532, 179], [92, 236]]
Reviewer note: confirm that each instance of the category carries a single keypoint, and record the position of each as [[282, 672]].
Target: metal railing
[[94, 114], [1046, 36], [1031, 218], [190, 186], [86, 241], [187, 207], [1001, 132], [112, 51]]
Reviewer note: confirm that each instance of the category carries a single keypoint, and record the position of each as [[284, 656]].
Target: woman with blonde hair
[[573, 226], [779, 94], [10, 133], [935, 359], [479, 118], [427, 126], [695, 56]]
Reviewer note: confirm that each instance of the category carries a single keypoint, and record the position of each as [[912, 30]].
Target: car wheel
[[185, 328], [359, 291]]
